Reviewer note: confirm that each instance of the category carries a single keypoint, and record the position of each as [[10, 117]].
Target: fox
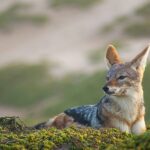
[[122, 106]]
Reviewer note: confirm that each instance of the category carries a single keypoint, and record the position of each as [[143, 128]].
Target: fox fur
[[122, 107]]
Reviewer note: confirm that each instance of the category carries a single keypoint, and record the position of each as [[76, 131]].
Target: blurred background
[[52, 52]]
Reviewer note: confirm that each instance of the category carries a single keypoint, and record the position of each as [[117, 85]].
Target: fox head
[[124, 78]]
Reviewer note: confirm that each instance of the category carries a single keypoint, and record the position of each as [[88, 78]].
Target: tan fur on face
[[112, 55], [112, 82]]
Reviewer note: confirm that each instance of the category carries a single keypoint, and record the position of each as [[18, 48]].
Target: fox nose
[[106, 89]]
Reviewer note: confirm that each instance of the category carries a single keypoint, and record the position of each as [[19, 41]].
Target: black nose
[[105, 88]]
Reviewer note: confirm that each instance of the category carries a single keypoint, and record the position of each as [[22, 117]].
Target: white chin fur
[[122, 92], [115, 90]]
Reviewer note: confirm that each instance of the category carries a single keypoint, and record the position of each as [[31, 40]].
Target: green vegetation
[[146, 84], [14, 15], [12, 124], [23, 85], [14, 135], [78, 3], [70, 138]]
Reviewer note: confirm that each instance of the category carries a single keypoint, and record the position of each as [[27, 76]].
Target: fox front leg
[[124, 128], [139, 126]]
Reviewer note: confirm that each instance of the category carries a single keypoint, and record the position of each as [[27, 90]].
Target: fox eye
[[122, 77]]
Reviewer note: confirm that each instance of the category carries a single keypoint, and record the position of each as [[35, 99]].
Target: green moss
[[69, 138], [73, 138]]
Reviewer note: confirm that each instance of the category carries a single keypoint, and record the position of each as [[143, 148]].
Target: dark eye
[[122, 77]]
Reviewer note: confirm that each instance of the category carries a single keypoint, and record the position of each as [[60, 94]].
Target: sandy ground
[[66, 38]]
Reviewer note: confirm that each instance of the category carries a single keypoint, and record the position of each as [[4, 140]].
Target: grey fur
[[90, 115], [86, 115]]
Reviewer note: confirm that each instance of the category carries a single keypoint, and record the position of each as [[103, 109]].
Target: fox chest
[[125, 112]]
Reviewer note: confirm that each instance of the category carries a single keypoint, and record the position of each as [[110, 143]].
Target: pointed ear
[[139, 62], [112, 56]]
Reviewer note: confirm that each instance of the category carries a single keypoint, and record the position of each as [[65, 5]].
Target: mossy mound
[[69, 138]]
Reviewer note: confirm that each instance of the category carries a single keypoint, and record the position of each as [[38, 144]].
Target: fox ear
[[140, 60], [112, 56]]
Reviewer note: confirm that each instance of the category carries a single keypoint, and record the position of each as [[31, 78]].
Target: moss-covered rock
[[70, 138]]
